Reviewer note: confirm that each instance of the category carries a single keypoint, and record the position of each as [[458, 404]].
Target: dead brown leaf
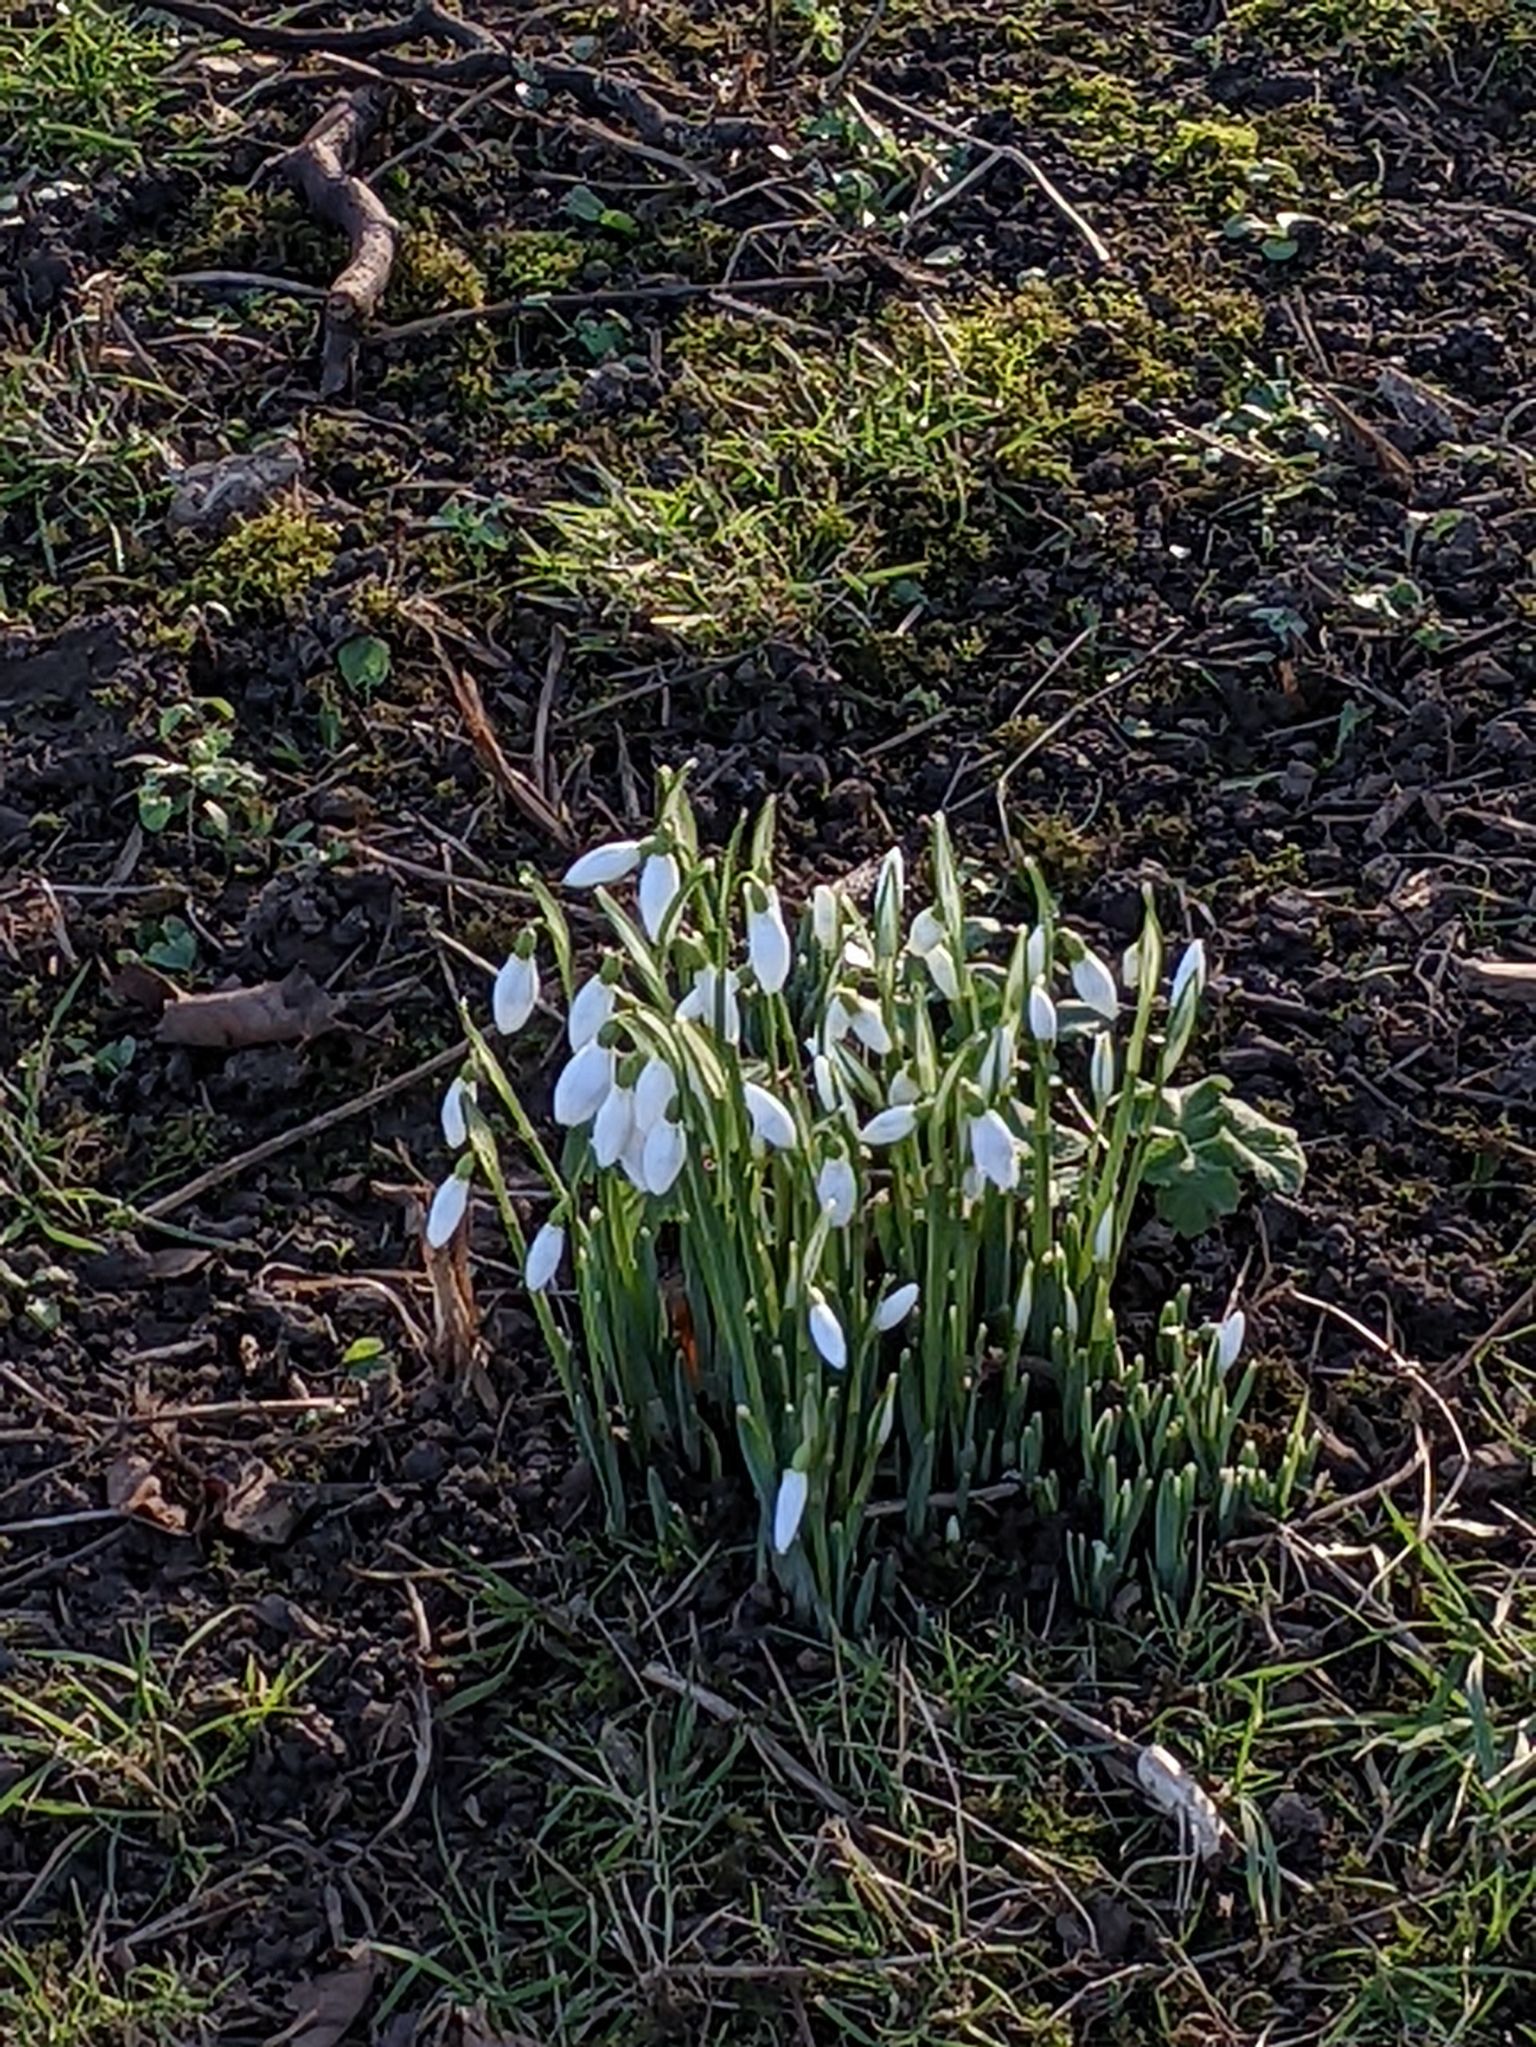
[[270, 1013], [133, 1487], [521, 788], [261, 1506], [326, 2006]]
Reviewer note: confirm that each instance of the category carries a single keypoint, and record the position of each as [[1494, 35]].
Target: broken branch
[[320, 171]]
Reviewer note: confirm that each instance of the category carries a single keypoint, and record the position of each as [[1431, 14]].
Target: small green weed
[[65, 1996], [48, 1153], [198, 779]]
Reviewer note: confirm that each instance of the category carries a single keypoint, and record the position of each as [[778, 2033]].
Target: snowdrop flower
[[1191, 968], [972, 1186], [514, 993], [940, 963], [890, 887], [666, 1150], [455, 1114], [1104, 1236], [903, 1089], [789, 1509], [1042, 1015], [1130, 965], [994, 1152], [997, 1061], [613, 1125], [868, 1026], [1034, 953], [449, 1205], [632, 1157], [591, 1007], [768, 946], [544, 1255], [660, 880], [827, 1332], [1229, 1339], [890, 1126], [655, 1091], [1101, 1068], [857, 955], [927, 932], [826, 917], [604, 865], [837, 1191], [712, 1001], [836, 1021], [897, 1307], [583, 1085], [1095, 985], [771, 1121]]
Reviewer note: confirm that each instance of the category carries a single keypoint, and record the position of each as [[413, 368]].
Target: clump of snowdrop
[[840, 1201]]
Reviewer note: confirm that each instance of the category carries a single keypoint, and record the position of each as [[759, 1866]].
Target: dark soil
[[1301, 700]]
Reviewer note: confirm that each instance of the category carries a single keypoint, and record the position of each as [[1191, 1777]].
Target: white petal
[[1190, 968], [666, 1150], [632, 1157], [837, 1189], [890, 1126], [544, 1255], [660, 880], [514, 994], [828, 1091], [612, 1125], [1024, 1305], [1034, 953], [1095, 985], [994, 1153], [868, 1027], [604, 865], [455, 1116], [1229, 1339], [789, 1508], [897, 1307], [940, 963], [972, 1185], [904, 1088], [836, 1022], [449, 1205], [768, 945], [771, 1121], [926, 933], [655, 1091], [712, 1002], [827, 1334], [1042, 1015], [591, 1007], [1130, 965], [583, 1085]]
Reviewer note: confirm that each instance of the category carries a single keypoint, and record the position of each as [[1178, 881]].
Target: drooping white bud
[[604, 865]]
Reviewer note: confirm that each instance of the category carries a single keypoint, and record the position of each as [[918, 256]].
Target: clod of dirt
[[63, 669], [270, 1013], [211, 497], [325, 2007]]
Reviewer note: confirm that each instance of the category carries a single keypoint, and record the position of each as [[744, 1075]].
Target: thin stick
[[328, 1119], [620, 295], [1058, 199]]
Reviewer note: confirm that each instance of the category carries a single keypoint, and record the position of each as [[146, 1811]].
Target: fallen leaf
[[133, 1487], [325, 2007], [270, 1013], [177, 1261], [260, 1506], [138, 986]]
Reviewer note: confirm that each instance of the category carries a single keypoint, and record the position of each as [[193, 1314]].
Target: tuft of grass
[[79, 84], [53, 1996]]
